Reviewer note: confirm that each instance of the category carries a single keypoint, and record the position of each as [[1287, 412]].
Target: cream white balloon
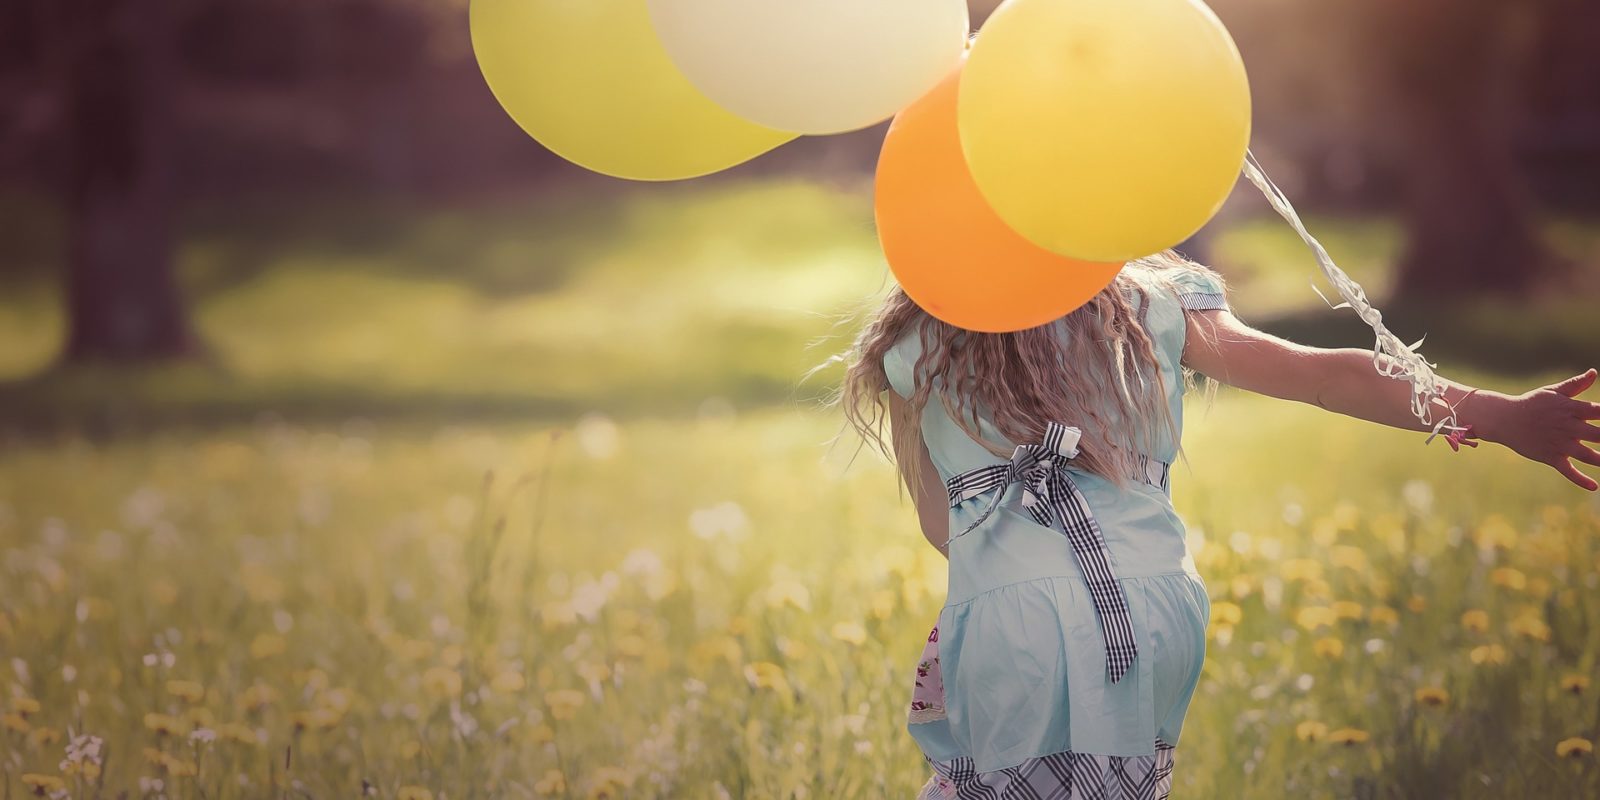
[[813, 66]]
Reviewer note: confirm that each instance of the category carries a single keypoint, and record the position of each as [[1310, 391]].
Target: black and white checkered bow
[[1050, 495]]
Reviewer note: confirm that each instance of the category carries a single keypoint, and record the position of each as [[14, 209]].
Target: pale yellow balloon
[[1105, 130], [813, 66], [590, 80]]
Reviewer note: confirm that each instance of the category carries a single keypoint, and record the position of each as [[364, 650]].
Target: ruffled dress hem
[[1042, 633]]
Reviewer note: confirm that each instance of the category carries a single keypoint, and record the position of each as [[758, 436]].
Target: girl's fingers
[[1576, 384], [1584, 453], [1586, 410], [1563, 466], [1586, 432]]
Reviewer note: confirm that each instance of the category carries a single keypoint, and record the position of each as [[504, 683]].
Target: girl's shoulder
[[899, 361]]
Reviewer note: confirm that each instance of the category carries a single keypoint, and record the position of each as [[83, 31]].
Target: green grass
[[362, 572], [643, 302]]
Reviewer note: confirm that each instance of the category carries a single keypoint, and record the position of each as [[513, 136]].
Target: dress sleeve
[[1200, 290], [894, 364]]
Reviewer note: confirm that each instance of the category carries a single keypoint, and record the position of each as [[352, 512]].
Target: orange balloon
[[953, 254]]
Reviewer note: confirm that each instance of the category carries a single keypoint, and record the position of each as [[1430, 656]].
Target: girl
[[1071, 642]]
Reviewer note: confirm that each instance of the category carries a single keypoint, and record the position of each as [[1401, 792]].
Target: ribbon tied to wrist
[[1051, 496]]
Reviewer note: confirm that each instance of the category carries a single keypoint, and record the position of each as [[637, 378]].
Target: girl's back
[[1025, 643]]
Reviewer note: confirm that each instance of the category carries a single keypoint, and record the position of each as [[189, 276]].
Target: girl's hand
[[1550, 425]]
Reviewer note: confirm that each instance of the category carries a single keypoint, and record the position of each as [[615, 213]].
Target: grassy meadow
[[535, 503]]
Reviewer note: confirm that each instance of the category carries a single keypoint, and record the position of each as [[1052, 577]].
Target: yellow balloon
[[590, 80], [1105, 130]]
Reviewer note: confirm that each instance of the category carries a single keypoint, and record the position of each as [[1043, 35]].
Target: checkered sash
[[1050, 495]]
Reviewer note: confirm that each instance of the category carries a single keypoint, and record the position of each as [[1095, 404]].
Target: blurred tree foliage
[[1465, 117]]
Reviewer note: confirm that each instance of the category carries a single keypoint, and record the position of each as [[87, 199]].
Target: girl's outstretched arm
[[1547, 424], [933, 502]]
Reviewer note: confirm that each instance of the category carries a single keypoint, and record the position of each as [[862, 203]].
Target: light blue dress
[[1019, 642]]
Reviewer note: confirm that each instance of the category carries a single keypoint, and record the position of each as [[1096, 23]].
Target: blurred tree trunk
[[122, 296], [1444, 71]]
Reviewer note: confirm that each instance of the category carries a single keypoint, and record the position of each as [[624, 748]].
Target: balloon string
[[1407, 364]]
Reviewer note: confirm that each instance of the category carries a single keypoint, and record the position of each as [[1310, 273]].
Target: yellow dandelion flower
[[1313, 617], [1488, 654], [452, 655], [1496, 531], [88, 769], [1311, 730], [316, 719], [40, 738], [267, 645], [792, 649], [594, 671], [1530, 627], [154, 756], [1220, 633], [1348, 736], [1475, 620], [508, 682], [1301, 569], [738, 625], [239, 733], [419, 649], [414, 793], [719, 647], [165, 725], [199, 717], [1508, 577], [1324, 531], [15, 722], [336, 700], [541, 734], [25, 706], [849, 632], [1316, 589], [1348, 609], [766, 675], [163, 591], [1416, 604], [553, 783], [789, 593], [1383, 615], [1575, 683], [257, 697], [187, 691], [557, 614], [442, 682], [43, 785], [1329, 647], [180, 767], [564, 703], [1240, 586], [1432, 696], [632, 645], [410, 749], [1574, 747], [1226, 613], [608, 782], [1347, 557]]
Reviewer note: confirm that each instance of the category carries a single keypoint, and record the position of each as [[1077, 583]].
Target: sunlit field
[[433, 524], [718, 606]]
